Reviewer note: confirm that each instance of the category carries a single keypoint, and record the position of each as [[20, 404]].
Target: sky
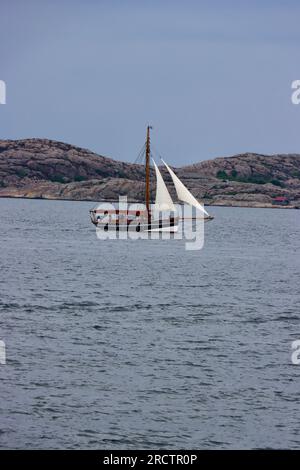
[[213, 77]]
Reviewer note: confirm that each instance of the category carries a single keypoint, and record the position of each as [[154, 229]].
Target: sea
[[142, 344]]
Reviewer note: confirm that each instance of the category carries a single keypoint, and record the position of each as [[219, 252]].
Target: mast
[[147, 167]]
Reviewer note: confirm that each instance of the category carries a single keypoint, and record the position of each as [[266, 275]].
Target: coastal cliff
[[42, 168]]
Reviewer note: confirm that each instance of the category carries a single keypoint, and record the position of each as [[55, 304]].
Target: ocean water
[[142, 344]]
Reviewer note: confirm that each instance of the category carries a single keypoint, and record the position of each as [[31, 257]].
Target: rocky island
[[42, 168]]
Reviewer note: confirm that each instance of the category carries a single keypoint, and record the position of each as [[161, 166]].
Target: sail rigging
[[183, 193], [147, 171], [163, 200]]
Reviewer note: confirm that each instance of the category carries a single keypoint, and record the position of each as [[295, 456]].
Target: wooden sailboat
[[161, 216]]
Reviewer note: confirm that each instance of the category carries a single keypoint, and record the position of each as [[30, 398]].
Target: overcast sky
[[212, 77]]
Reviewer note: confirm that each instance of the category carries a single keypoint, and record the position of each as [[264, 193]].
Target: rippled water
[[141, 344]]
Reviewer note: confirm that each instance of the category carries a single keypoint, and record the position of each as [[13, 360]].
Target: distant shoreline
[[241, 204], [52, 170]]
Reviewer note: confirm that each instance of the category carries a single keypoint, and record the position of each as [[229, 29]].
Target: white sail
[[183, 193], [163, 200]]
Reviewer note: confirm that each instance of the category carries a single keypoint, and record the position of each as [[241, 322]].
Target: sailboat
[[160, 216]]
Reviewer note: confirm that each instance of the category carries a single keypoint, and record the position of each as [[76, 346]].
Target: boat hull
[[154, 226]]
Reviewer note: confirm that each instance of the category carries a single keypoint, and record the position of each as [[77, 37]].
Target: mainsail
[[163, 200], [183, 193]]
